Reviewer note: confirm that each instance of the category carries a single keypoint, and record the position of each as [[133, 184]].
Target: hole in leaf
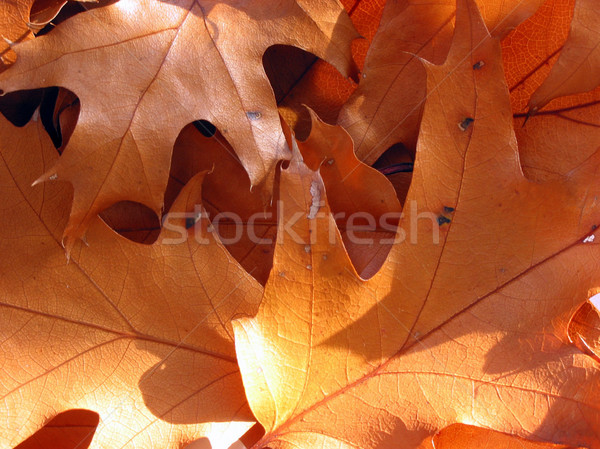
[[133, 221], [18, 107], [397, 163], [285, 66], [59, 112], [47, 115], [205, 127], [73, 429]]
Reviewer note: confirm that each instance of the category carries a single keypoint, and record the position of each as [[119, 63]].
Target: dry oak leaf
[[578, 66], [386, 107], [361, 199], [531, 49], [156, 66], [139, 334], [566, 132], [468, 329]]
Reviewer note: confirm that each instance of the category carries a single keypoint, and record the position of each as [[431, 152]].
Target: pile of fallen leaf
[[130, 318]]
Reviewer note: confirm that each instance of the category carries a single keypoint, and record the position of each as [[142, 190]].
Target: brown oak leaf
[[362, 200], [387, 106], [466, 326], [566, 132], [578, 66], [138, 333], [159, 65]]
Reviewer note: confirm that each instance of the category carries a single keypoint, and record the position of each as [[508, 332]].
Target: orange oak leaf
[[387, 106], [532, 48], [363, 202], [578, 66], [328, 149], [566, 132], [469, 327], [138, 333], [144, 78]]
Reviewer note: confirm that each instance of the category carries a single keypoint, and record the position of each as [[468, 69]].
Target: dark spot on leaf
[[478, 65], [594, 227], [18, 107], [448, 210], [253, 115], [443, 220], [466, 122], [190, 222]]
